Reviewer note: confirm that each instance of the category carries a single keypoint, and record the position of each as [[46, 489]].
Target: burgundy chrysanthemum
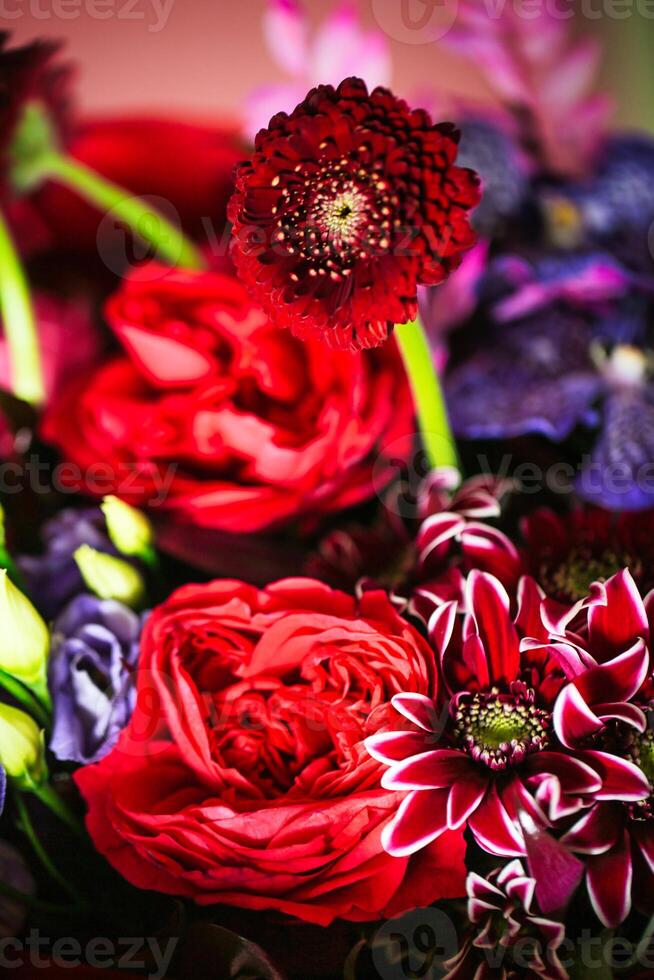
[[347, 204], [498, 752], [29, 74], [504, 921]]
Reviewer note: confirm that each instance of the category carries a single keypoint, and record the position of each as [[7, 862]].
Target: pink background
[[210, 53]]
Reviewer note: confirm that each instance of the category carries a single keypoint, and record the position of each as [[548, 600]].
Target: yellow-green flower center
[[499, 730]]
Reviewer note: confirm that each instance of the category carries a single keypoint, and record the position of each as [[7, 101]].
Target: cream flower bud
[[110, 577], [22, 752], [24, 638], [129, 529]]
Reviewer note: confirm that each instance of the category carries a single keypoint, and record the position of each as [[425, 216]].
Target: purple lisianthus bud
[[14, 873], [94, 654], [53, 577]]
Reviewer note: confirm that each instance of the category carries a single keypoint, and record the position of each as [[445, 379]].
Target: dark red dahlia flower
[[489, 756], [507, 938], [347, 204], [29, 74]]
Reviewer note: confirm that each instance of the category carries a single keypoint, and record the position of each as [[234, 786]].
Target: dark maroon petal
[[489, 609], [465, 795], [609, 883], [597, 830], [619, 620], [430, 770], [391, 747], [615, 680], [418, 708], [573, 720], [621, 779], [420, 819], [494, 829]]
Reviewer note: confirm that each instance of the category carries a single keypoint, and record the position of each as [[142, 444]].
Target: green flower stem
[[19, 323], [431, 412], [28, 829], [25, 697], [171, 245], [54, 802]]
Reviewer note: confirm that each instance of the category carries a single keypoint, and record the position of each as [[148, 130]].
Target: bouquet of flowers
[[327, 527]]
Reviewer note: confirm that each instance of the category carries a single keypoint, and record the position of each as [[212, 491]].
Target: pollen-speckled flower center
[[573, 578], [499, 730], [334, 214]]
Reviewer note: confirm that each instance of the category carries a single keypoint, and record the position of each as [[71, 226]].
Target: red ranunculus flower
[[221, 418], [252, 785], [346, 205]]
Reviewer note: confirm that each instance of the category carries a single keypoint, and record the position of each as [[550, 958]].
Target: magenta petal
[[420, 819], [391, 747], [489, 608], [556, 870], [609, 883], [430, 770]]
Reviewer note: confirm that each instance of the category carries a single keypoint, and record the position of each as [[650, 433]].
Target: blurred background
[[204, 56]]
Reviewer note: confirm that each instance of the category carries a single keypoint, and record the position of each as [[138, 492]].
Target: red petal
[[391, 747], [493, 828]]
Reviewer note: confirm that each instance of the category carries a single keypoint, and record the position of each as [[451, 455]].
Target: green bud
[[110, 577], [129, 529], [22, 752], [24, 638]]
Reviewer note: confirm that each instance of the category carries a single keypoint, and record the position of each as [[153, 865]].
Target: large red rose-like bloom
[[29, 74], [243, 777], [490, 757], [236, 424], [347, 204]]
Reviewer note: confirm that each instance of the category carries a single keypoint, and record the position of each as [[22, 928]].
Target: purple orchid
[[568, 344], [94, 653]]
